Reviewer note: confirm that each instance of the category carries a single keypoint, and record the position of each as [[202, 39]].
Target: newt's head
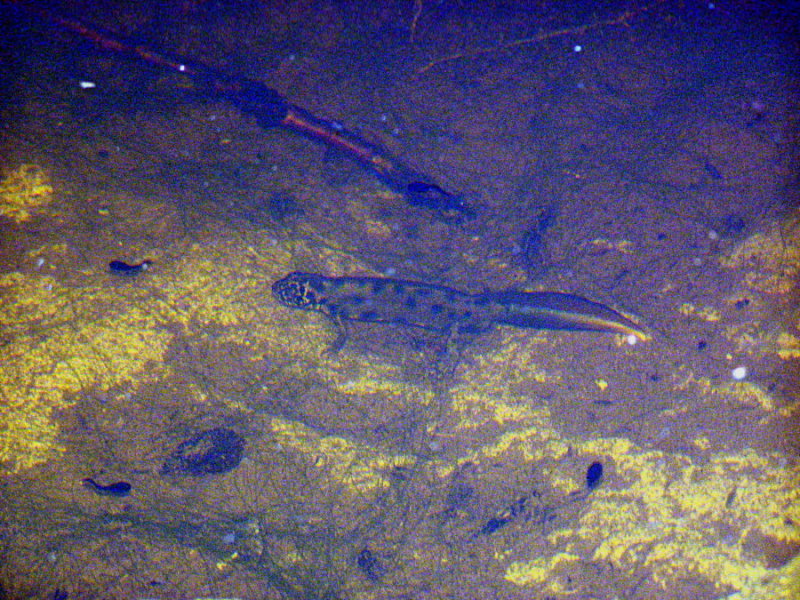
[[299, 290]]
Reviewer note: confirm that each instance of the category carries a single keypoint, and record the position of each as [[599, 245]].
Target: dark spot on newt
[[368, 315], [398, 288], [411, 302], [436, 309], [118, 489], [217, 450], [118, 267]]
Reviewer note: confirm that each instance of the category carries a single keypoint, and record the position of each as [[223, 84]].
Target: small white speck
[[577, 48], [384, 118], [86, 85], [390, 271], [713, 235], [39, 262], [739, 373], [631, 339], [182, 68], [697, 261], [711, 6]]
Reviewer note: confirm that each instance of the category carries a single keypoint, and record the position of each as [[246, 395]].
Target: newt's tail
[[555, 310]]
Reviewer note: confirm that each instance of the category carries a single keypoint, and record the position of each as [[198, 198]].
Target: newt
[[443, 309]]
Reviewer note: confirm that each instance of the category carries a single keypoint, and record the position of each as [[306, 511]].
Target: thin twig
[[620, 19], [415, 19]]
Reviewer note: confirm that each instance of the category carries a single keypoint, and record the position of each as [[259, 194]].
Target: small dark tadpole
[[119, 489], [594, 475], [118, 267]]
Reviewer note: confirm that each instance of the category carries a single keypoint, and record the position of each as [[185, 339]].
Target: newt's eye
[[292, 293]]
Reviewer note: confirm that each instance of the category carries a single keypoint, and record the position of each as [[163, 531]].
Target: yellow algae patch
[[501, 371], [751, 339], [38, 372], [771, 259], [374, 228], [538, 441], [783, 584], [788, 346], [706, 313], [219, 284], [25, 189], [744, 392], [662, 511], [624, 246], [678, 518], [358, 467], [475, 408], [539, 570], [385, 390]]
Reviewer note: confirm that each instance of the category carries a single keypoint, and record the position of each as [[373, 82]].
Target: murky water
[[645, 160]]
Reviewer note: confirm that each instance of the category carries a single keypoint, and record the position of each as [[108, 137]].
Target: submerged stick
[[270, 109]]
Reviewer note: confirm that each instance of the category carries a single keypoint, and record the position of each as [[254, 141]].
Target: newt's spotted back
[[443, 309]]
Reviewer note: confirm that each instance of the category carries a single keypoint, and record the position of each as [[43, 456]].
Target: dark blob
[[732, 225], [594, 475], [217, 450], [494, 524], [431, 196], [712, 170], [514, 510], [118, 267], [118, 489], [281, 205], [369, 565], [533, 247]]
